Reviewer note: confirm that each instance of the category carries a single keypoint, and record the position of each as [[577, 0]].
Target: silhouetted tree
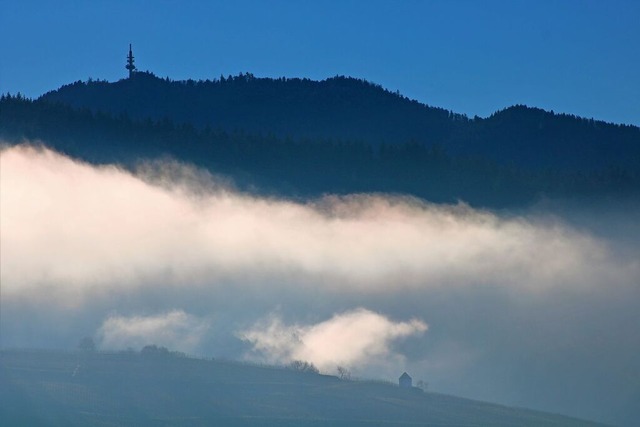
[[302, 366], [343, 373]]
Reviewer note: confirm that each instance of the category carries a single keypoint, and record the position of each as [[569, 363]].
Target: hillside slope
[[96, 389]]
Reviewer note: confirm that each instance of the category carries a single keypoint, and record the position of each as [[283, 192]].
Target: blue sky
[[472, 57]]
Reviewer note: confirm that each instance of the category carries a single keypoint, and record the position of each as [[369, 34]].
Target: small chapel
[[405, 381]]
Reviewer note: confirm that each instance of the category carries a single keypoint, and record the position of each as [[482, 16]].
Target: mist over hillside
[[274, 220]]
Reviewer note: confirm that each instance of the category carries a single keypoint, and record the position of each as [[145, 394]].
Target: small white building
[[405, 381]]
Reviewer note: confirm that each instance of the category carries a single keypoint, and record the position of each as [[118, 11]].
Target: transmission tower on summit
[[130, 66]]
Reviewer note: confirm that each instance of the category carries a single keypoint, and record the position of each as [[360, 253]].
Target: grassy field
[[49, 388]]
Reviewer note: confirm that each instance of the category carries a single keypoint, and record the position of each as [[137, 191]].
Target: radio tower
[[130, 66]]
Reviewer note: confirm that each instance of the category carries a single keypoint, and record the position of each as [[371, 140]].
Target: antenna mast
[[130, 66]]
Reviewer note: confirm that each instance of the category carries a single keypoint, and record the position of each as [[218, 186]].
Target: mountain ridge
[[349, 109]]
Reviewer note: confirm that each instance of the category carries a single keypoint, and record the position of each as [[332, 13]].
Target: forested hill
[[349, 109], [298, 137]]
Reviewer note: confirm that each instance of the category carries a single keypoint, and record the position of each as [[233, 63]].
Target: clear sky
[[474, 57]]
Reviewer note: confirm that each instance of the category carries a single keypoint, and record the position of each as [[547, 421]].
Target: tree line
[[303, 166]]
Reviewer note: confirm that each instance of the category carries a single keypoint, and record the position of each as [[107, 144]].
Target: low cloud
[[175, 329], [350, 339], [85, 230]]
